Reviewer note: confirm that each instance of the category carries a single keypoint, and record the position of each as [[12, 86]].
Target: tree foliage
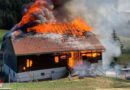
[[10, 12]]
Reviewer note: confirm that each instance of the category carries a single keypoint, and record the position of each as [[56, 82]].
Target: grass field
[[88, 83], [124, 59], [126, 42]]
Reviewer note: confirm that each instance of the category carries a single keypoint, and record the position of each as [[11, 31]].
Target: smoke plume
[[103, 16]]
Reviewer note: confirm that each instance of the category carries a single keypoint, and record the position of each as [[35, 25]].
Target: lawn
[[124, 59], [126, 42], [88, 83]]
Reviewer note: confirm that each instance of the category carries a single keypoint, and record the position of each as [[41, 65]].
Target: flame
[[29, 64], [93, 53], [24, 68], [16, 32], [75, 28], [71, 60], [76, 57], [37, 6], [56, 59], [63, 57], [49, 25]]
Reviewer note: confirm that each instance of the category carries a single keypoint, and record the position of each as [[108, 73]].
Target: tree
[[116, 39], [10, 12]]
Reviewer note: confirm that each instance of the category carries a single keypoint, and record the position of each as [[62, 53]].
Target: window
[[37, 62]]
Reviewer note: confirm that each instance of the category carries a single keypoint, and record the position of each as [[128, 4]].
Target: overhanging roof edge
[[56, 52]]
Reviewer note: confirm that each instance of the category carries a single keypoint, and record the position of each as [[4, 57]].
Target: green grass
[[124, 59], [2, 32], [126, 42], [88, 83]]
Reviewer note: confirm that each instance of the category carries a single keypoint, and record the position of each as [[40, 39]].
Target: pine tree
[[116, 38]]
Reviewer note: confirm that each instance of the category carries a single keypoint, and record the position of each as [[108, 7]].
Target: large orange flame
[[37, 6], [76, 28], [76, 57]]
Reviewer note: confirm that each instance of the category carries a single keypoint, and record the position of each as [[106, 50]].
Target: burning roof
[[48, 43], [39, 18]]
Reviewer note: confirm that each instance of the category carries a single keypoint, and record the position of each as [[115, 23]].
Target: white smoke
[[104, 17], [86, 69], [73, 42]]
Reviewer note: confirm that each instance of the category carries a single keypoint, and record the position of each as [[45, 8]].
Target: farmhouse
[[36, 57]]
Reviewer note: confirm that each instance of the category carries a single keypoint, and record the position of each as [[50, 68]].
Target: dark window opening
[[37, 62], [47, 61], [42, 74]]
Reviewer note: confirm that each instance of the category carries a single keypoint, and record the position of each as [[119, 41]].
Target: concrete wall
[[54, 73], [10, 73]]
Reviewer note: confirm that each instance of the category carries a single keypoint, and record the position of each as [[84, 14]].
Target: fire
[[29, 64], [75, 28], [71, 61], [24, 68], [16, 32], [36, 8], [40, 13], [76, 57], [93, 53], [63, 57], [56, 59]]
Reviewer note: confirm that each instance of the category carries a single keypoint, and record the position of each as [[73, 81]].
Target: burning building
[[34, 57], [40, 48]]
